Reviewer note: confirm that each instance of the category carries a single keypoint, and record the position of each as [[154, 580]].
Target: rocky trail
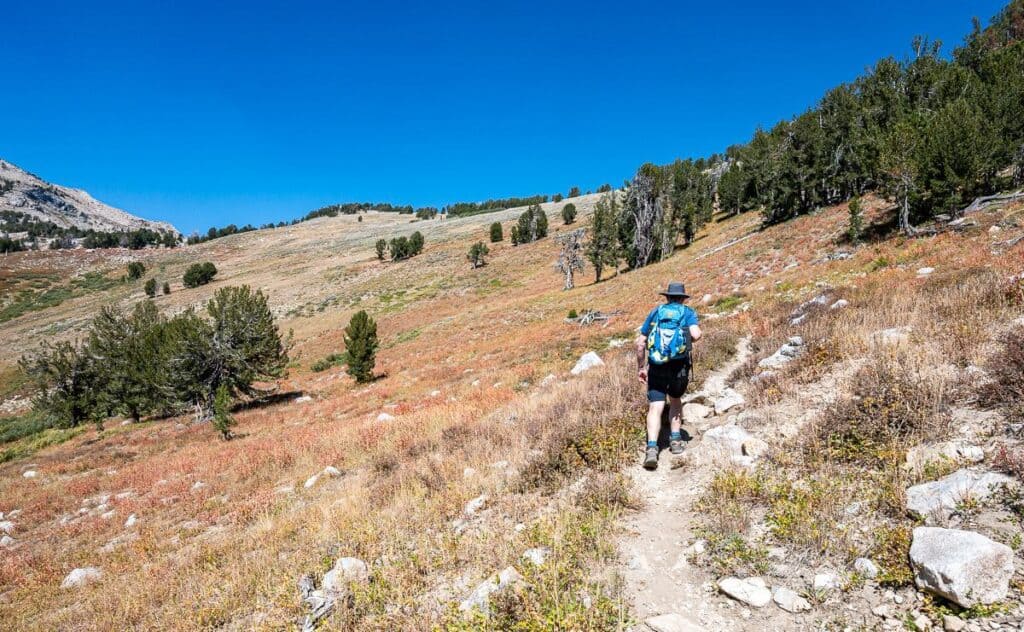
[[667, 591]]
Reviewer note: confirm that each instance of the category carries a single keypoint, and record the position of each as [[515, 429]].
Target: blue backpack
[[669, 339]]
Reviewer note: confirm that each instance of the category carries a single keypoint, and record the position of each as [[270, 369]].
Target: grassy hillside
[[225, 529]]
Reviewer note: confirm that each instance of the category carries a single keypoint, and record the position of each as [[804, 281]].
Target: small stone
[[435, 393], [385, 417], [730, 399], [311, 481], [865, 567], [841, 303], [695, 414], [537, 555], [925, 271], [81, 576], [198, 485], [475, 505], [549, 379], [922, 622], [30, 474], [881, 610], [480, 598], [131, 521], [7, 541], [500, 465], [826, 582], [673, 622], [108, 515], [331, 471], [952, 623], [697, 548], [345, 570], [789, 600], [7, 527], [468, 472], [746, 592]]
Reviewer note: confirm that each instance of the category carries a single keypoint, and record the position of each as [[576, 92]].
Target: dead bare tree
[[570, 258], [644, 203]]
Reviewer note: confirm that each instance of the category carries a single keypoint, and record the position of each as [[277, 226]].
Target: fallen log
[[990, 200]]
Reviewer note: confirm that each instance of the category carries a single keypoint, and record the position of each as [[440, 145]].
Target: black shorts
[[669, 379]]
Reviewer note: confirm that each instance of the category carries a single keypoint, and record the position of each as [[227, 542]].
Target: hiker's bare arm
[[695, 332], [641, 357]]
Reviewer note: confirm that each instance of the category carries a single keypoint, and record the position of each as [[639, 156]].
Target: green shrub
[[150, 287], [136, 270], [199, 274], [361, 345]]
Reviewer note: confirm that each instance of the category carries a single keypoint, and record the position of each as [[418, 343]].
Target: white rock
[[799, 319], [468, 472], [892, 336], [922, 622], [865, 567], [941, 497], [475, 505], [435, 393], [7, 541], [731, 440], [673, 622], [131, 521], [953, 623], [784, 355], [108, 515], [537, 555], [7, 527], [481, 597], [30, 474], [345, 570], [743, 590], [500, 465], [925, 271], [311, 481], [706, 299], [957, 451], [840, 304], [789, 600], [695, 414], [994, 229], [964, 567], [881, 610], [331, 471], [81, 577], [385, 417], [548, 379], [615, 343], [587, 361], [198, 485], [730, 399], [826, 582], [475, 383], [302, 399]]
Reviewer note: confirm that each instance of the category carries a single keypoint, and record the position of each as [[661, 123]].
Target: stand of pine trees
[[142, 363]]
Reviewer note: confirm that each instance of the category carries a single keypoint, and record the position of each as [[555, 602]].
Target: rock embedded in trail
[[753, 593], [587, 361], [789, 600], [729, 400], [941, 497], [965, 567], [81, 576], [673, 622], [733, 441], [826, 582]]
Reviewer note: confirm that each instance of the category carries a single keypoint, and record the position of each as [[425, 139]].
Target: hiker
[[663, 364]]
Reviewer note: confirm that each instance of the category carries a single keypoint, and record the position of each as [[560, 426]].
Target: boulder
[[385, 417], [6, 526], [344, 571], [941, 497], [964, 567], [753, 593], [840, 304], [789, 600], [729, 399], [480, 598], [7, 541], [673, 622], [731, 440], [826, 582], [81, 576], [587, 361]]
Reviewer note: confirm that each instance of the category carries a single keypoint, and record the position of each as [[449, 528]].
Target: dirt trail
[[654, 549]]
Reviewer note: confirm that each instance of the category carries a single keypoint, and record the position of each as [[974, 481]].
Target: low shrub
[[1006, 367]]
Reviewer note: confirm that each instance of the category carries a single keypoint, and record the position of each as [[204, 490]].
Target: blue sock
[[676, 436], [652, 444]]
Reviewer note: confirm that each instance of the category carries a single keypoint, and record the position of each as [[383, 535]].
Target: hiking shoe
[[651, 458], [676, 446]]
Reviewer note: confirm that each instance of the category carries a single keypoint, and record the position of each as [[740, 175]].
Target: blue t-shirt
[[689, 319]]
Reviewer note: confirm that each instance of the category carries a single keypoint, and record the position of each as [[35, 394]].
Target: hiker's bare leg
[[654, 411], [675, 414]]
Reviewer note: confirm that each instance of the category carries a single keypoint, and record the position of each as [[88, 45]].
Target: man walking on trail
[[663, 364]]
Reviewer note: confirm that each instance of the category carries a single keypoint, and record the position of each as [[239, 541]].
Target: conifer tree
[[150, 287], [415, 243], [381, 248], [855, 229], [476, 254], [602, 250], [569, 213], [222, 419], [361, 346], [135, 270], [496, 232]]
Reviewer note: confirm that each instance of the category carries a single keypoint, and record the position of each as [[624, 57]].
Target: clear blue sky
[[206, 113]]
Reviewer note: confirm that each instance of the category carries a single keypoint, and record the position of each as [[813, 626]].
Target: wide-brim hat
[[675, 290]]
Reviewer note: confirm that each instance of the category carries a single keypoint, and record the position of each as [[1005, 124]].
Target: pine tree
[[361, 346], [167, 288], [222, 419], [150, 287], [136, 270], [381, 248], [602, 250], [514, 235], [476, 254], [855, 228], [496, 233], [68, 384], [569, 213], [415, 244]]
